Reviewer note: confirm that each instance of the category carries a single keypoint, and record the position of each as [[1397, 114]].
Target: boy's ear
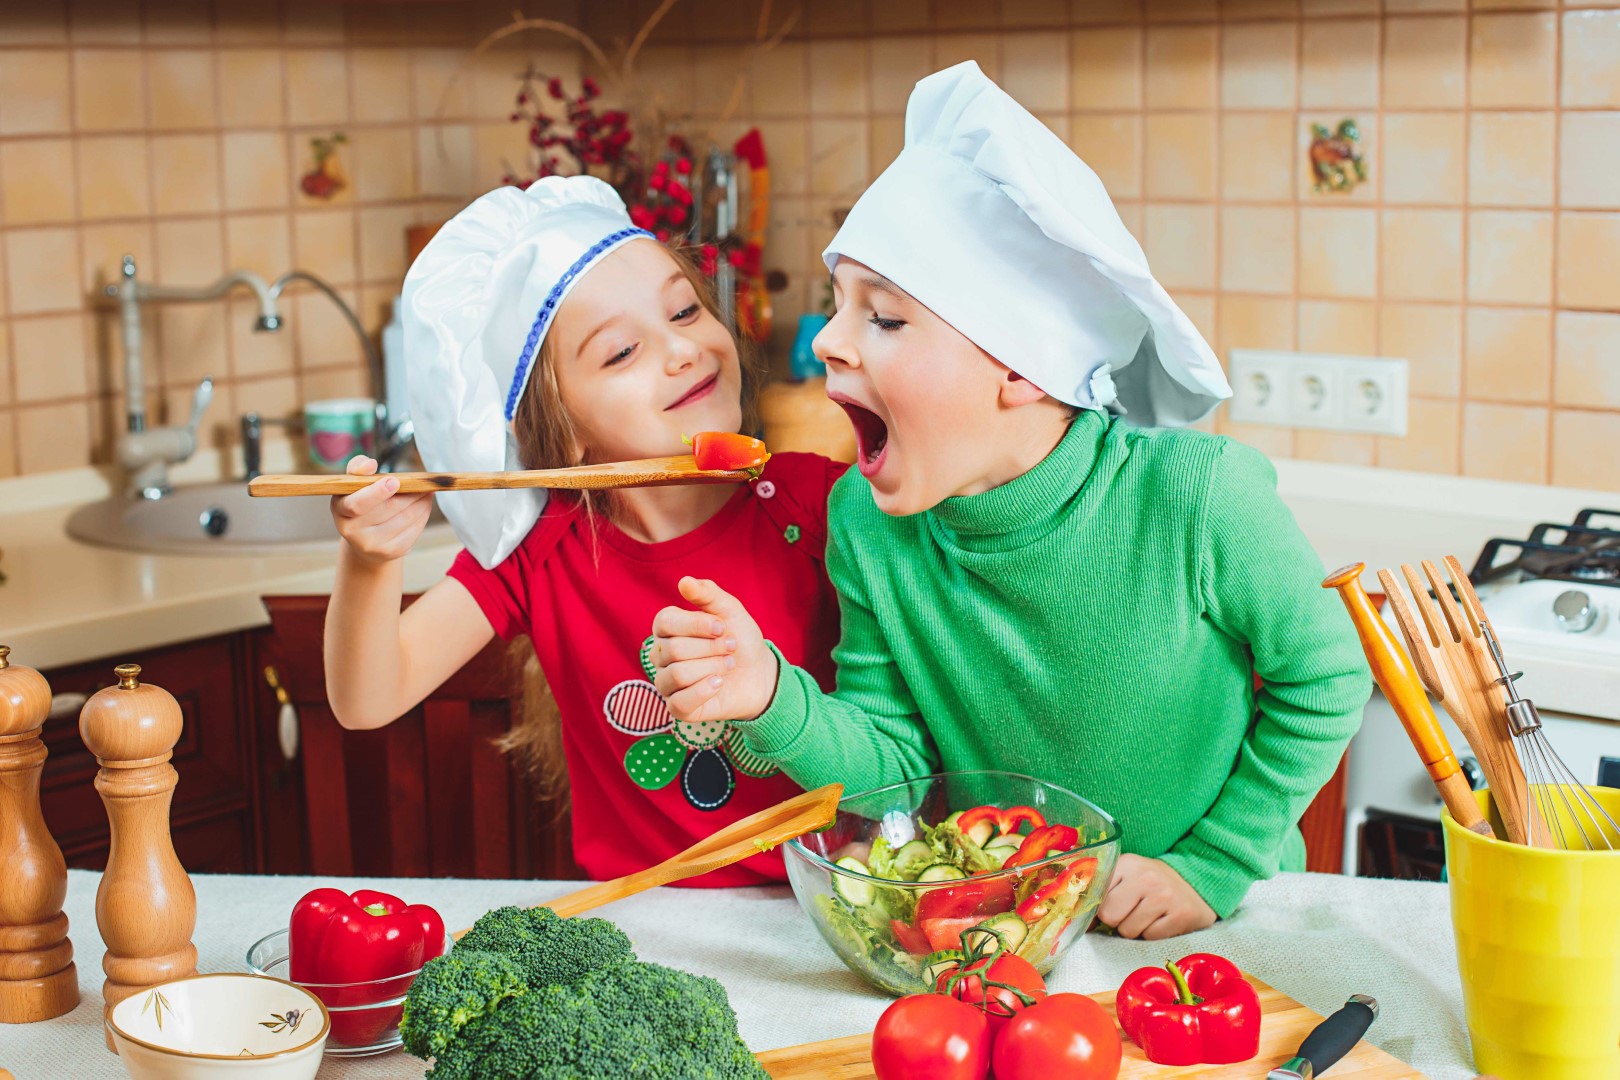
[[1017, 391]]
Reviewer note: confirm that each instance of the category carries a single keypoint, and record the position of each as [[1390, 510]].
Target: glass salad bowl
[[904, 870], [365, 1015]]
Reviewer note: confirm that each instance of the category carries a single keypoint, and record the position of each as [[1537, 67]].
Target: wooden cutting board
[[1284, 1026]]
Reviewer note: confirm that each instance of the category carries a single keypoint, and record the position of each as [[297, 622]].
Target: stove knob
[[1574, 611], [1472, 772]]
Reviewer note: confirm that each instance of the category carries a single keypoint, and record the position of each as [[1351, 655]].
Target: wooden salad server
[[1396, 677], [647, 472], [752, 835], [1461, 675]]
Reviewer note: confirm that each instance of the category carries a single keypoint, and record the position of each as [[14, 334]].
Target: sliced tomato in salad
[[724, 451], [971, 898], [911, 938], [945, 934]]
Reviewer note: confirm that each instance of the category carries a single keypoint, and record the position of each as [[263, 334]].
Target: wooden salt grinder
[[145, 907], [38, 979]]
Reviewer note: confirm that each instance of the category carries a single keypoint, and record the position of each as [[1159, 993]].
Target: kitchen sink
[[211, 519]]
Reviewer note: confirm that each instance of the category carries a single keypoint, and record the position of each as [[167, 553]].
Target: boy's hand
[[1147, 899], [377, 524], [712, 663]]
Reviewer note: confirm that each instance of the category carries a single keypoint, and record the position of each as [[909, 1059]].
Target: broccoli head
[[635, 1019], [452, 991], [551, 951]]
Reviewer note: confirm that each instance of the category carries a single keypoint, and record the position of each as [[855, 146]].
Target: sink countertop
[[65, 602]]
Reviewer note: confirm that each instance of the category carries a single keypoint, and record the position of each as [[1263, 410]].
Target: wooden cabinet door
[[212, 816], [429, 795]]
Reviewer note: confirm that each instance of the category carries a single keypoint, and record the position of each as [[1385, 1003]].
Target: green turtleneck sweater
[[1097, 622]]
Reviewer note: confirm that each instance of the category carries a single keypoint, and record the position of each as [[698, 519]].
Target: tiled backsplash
[[176, 130], [1484, 246]]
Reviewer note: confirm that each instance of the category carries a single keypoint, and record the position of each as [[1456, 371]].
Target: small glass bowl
[[365, 1015], [869, 940]]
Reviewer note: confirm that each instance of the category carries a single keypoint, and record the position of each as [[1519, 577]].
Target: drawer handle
[[64, 706], [286, 718]]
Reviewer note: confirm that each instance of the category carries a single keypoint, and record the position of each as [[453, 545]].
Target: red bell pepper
[[1199, 1011], [1068, 885], [984, 819], [360, 943], [726, 450], [1048, 840], [1014, 816]]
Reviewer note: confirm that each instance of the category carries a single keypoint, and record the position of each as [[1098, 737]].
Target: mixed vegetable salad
[[909, 934]]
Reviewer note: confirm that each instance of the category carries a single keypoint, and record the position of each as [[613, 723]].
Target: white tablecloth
[[1316, 937]]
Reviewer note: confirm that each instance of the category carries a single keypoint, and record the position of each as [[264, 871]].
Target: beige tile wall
[[1485, 247], [176, 130]]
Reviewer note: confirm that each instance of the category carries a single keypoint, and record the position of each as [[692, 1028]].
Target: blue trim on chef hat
[[548, 309]]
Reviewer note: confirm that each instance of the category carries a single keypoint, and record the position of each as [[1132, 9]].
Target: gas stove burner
[[1579, 551]]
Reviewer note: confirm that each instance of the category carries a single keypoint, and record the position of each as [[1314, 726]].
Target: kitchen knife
[[1329, 1041]]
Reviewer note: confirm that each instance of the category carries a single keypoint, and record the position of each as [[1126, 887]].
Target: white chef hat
[[993, 224], [477, 304]]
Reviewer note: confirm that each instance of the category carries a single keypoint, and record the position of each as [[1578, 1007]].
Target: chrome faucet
[[148, 453]]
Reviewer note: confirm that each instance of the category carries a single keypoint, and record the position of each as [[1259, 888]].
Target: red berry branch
[[573, 138]]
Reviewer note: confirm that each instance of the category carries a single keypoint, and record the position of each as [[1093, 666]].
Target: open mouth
[[871, 436], [697, 393]]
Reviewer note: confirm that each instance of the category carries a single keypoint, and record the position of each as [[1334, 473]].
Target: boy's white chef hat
[[993, 224], [476, 305]]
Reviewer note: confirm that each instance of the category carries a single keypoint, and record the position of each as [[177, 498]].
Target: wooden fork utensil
[[647, 472], [750, 836], [1447, 643]]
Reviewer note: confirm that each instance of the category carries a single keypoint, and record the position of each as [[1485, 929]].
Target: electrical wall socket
[[1316, 390]]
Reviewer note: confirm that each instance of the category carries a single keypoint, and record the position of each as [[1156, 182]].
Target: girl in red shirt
[[543, 330]]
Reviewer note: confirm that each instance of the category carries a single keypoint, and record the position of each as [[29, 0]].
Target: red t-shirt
[[644, 787]]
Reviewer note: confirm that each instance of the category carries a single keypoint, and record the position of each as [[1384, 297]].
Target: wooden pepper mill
[[38, 979], [145, 908]]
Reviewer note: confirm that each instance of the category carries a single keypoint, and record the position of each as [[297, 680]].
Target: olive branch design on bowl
[[155, 1004], [284, 1022]]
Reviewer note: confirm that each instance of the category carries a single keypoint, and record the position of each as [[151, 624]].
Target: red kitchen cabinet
[[213, 815], [430, 794]]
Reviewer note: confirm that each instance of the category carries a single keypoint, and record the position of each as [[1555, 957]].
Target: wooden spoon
[[750, 836], [647, 472]]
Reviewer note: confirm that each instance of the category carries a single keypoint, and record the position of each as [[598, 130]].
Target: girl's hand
[[1147, 899], [712, 663], [377, 524]]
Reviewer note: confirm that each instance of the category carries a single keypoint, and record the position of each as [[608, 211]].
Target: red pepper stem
[[1184, 994], [374, 909]]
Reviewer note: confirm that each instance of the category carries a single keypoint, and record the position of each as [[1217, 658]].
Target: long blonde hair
[[546, 439]]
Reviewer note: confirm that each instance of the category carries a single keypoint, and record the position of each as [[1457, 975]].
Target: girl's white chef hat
[[993, 224], [477, 304]]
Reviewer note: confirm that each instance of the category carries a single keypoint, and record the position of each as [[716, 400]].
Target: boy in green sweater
[[1028, 582]]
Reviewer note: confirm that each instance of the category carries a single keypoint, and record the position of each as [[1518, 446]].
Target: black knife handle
[[1338, 1034]]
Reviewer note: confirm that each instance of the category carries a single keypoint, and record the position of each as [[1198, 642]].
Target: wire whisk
[[1557, 792]]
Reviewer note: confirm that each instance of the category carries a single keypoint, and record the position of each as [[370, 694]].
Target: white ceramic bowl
[[209, 1027]]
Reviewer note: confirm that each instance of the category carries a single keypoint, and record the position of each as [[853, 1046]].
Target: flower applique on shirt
[[704, 756]]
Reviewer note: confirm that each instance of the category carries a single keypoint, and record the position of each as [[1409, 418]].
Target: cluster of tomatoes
[[991, 1015]]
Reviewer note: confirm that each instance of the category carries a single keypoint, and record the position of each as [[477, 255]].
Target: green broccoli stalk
[[551, 951], [636, 1019], [526, 994], [452, 991]]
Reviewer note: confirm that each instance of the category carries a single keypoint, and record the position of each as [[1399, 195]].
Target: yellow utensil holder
[[1538, 948]]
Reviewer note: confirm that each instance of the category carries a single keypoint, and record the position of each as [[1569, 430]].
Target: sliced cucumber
[[938, 963], [954, 817], [940, 871], [913, 858], [857, 892], [981, 832], [1012, 929], [998, 854]]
